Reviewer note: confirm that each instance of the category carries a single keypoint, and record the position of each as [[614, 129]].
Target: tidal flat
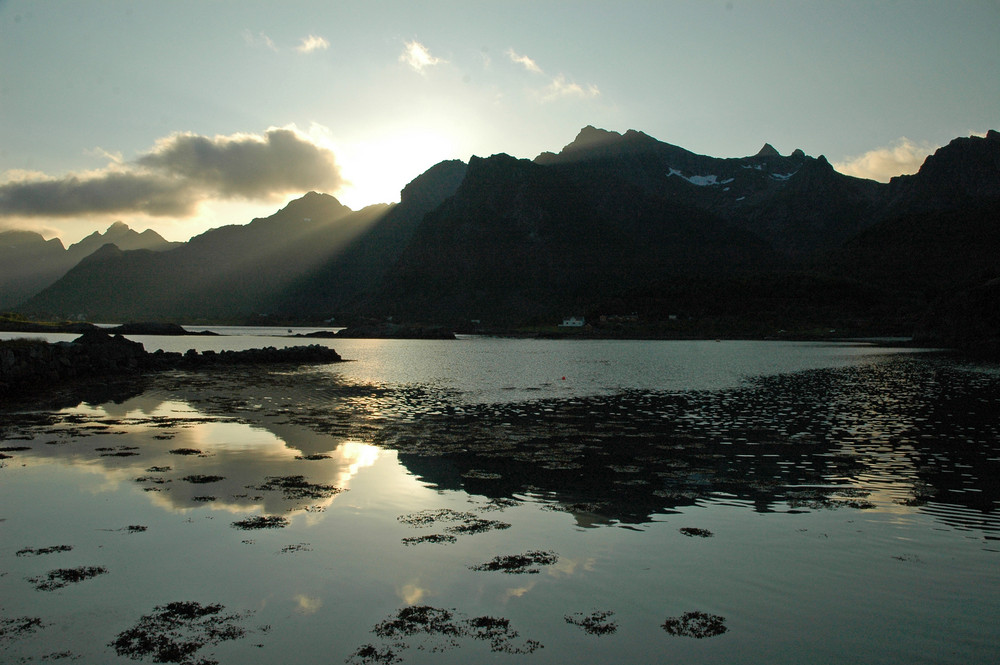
[[841, 511]]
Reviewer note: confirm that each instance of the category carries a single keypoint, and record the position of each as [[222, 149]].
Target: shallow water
[[826, 503]]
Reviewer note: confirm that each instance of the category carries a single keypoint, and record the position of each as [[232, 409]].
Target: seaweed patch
[[37, 551], [517, 564], [499, 503], [436, 538], [820, 499], [202, 479], [695, 624], [296, 487], [61, 577], [175, 632], [692, 532], [429, 517], [438, 630], [120, 451], [595, 623], [477, 525], [261, 522], [369, 653], [11, 629]]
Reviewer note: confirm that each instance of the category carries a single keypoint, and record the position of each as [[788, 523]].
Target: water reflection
[[871, 486], [877, 436], [883, 435], [183, 458]]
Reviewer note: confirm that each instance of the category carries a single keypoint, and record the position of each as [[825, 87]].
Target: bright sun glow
[[377, 168]]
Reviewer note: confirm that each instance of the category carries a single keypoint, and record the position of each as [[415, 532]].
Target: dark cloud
[[245, 165], [110, 192], [181, 171]]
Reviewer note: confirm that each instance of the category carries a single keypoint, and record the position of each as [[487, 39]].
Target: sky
[[182, 116]]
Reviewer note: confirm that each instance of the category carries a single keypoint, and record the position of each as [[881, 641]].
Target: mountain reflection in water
[[888, 440]]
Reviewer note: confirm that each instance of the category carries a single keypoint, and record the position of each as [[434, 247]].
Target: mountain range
[[29, 262], [613, 224]]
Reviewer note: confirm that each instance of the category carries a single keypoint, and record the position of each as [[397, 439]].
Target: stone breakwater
[[96, 353]]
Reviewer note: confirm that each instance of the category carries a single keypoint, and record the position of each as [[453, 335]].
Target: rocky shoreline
[[97, 353]]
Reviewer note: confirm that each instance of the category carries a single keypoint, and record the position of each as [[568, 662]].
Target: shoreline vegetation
[[28, 363]]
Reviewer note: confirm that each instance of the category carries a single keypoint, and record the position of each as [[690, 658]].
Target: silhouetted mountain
[[29, 263], [225, 272], [334, 285], [120, 235], [519, 240], [612, 223], [935, 231], [798, 204]]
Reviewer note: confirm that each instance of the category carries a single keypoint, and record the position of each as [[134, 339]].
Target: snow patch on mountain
[[700, 180]]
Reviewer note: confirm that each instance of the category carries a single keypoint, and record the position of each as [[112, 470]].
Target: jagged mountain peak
[[594, 143], [312, 206], [767, 150], [17, 238], [967, 166], [590, 136], [441, 179]]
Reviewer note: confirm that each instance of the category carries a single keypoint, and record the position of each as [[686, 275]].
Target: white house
[[572, 322]]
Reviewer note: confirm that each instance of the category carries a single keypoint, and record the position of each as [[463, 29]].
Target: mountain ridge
[[29, 263], [611, 221]]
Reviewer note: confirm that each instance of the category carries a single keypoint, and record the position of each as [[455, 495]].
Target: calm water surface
[[527, 500]]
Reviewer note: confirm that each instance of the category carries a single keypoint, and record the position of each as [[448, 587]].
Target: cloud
[[524, 61], [312, 43], [903, 157], [246, 165], [560, 87], [306, 44], [418, 57], [308, 604], [260, 40], [177, 175]]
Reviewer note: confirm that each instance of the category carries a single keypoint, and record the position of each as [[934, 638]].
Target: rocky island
[[25, 362]]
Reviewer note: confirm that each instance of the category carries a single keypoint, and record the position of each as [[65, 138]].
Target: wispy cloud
[[179, 173], [524, 61], [560, 88], [418, 57], [902, 157], [306, 44], [259, 40], [312, 43]]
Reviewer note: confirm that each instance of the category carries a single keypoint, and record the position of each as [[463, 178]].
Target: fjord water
[[822, 502]]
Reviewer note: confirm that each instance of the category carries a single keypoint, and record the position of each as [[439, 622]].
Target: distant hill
[[29, 263], [611, 224], [225, 272]]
